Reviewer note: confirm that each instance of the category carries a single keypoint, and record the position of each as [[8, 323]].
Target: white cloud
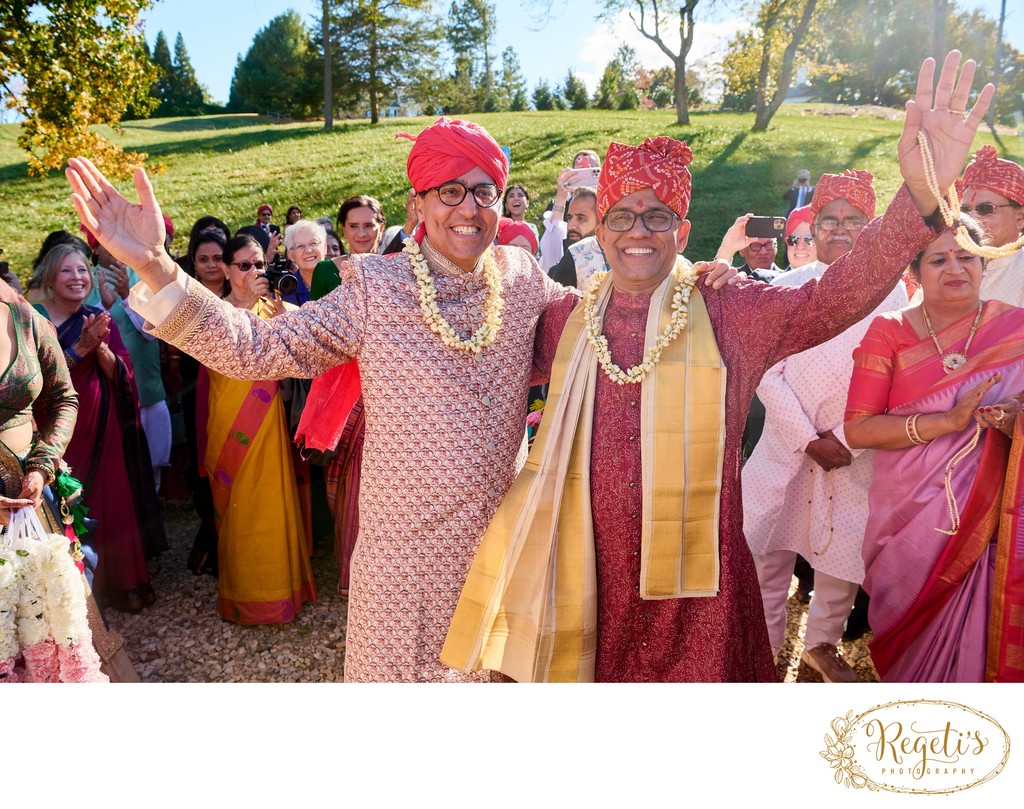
[[710, 42]]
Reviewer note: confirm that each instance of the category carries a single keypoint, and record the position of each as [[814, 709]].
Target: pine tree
[[575, 92], [187, 96], [510, 90], [281, 72], [162, 89]]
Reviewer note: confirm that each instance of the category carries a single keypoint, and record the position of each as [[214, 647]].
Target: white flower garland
[[8, 607], [686, 278], [488, 331], [43, 613]]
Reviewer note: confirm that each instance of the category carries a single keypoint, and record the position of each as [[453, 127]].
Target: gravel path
[[182, 639]]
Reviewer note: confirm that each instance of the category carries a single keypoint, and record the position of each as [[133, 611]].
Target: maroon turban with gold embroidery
[[987, 171], [853, 185], [658, 163]]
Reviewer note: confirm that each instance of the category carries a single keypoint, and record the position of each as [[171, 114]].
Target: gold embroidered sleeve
[[301, 343]]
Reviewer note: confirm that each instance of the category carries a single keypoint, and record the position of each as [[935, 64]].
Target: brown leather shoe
[[824, 659]]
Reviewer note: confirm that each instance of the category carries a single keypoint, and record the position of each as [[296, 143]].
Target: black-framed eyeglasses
[[245, 266], [793, 241], [829, 224], [655, 221], [453, 192], [762, 247], [985, 208]]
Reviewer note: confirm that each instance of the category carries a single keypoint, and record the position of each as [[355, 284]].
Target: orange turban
[[447, 149], [658, 163], [987, 171], [853, 185], [798, 215]]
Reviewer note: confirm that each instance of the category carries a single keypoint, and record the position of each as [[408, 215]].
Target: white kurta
[[1004, 279], [789, 502]]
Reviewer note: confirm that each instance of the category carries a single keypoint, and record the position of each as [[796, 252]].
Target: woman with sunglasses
[[263, 534], [800, 248]]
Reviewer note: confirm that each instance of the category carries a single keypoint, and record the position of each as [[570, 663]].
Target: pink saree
[[944, 608]]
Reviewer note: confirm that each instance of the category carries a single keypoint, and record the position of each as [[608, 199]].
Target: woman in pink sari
[[936, 390]]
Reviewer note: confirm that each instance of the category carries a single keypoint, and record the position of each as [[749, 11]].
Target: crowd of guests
[[879, 448]]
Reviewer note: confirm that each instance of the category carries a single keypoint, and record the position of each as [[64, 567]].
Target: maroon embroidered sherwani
[[718, 638]]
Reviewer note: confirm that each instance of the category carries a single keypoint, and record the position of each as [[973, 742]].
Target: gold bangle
[[912, 433]]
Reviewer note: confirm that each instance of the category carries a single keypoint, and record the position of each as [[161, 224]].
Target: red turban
[[508, 229], [264, 207], [658, 163], [853, 185], [93, 241], [987, 171], [447, 149], [796, 217]]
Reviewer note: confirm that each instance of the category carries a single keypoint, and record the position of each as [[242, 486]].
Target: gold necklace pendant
[[953, 361]]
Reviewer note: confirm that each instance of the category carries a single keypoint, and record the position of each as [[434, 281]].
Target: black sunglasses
[[793, 241]]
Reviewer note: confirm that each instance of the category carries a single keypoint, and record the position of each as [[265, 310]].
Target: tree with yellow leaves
[[68, 65]]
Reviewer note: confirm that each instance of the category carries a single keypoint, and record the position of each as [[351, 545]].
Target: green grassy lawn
[[227, 165]]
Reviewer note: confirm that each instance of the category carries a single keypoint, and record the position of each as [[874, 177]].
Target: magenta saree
[[944, 608]]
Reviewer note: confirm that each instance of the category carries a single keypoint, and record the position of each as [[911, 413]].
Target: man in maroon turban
[[618, 554], [804, 491], [993, 194]]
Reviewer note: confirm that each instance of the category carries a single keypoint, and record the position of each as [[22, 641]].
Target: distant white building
[[401, 107]]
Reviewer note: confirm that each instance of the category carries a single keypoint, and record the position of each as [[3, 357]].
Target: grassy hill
[[227, 165]]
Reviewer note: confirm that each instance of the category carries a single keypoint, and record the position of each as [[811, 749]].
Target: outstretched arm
[[782, 321]]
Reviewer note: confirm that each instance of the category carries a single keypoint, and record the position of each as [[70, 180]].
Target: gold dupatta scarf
[[529, 606]]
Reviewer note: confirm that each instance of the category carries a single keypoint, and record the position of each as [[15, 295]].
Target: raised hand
[[939, 113], [735, 239], [134, 234]]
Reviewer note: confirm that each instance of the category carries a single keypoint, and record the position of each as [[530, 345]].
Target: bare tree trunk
[[686, 9], [682, 107], [940, 10], [488, 33], [766, 112], [997, 68], [328, 90], [374, 94]]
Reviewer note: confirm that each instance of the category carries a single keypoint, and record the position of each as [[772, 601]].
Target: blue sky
[[217, 32]]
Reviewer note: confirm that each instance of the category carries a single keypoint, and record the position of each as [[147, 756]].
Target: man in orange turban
[[993, 194], [619, 553]]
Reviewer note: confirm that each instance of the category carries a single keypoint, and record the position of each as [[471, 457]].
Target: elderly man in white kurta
[[804, 490], [993, 193]]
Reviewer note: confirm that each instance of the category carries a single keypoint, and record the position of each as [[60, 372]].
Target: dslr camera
[[280, 277]]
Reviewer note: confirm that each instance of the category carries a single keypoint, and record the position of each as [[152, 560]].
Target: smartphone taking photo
[[766, 227]]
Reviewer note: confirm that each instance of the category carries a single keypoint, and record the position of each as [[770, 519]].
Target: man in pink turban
[[619, 553], [449, 333], [993, 194]]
